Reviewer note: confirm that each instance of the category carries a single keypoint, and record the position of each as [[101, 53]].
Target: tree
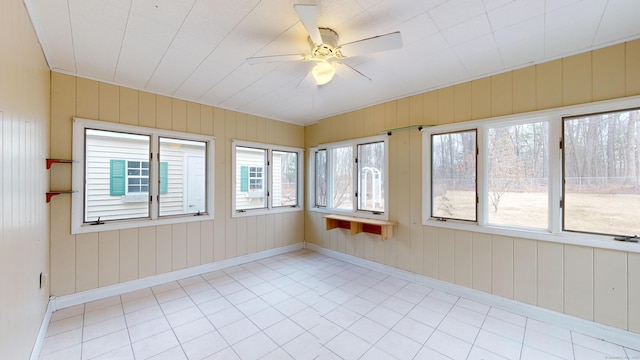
[[508, 149], [632, 176]]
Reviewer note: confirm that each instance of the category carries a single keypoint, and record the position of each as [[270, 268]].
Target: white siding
[[249, 158], [174, 202], [276, 168], [171, 203], [99, 151]]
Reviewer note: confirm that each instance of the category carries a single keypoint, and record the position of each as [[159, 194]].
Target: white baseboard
[[42, 333], [133, 285], [586, 327]]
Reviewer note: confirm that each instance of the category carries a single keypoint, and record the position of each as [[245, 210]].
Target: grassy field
[[597, 213]]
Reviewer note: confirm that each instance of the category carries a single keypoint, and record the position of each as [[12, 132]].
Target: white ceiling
[[196, 49]]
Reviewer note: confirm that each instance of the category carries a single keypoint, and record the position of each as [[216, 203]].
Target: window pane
[[453, 175], [342, 184], [517, 175], [321, 178], [284, 169], [182, 177], [110, 193], [601, 173], [371, 176], [251, 189]]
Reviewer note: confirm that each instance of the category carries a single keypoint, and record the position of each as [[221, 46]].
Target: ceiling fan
[[325, 50]]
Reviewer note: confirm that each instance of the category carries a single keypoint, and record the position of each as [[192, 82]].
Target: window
[[371, 161], [601, 178], [494, 174], [266, 178], [453, 175], [342, 163], [567, 175], [285, 178], [131, 176], [351, 177], [250, 190], [182, 176], [320, 160], [517, 175], [137, 177]]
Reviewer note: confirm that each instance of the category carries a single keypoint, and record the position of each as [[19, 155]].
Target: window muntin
[[453, 175], [250, 192], [320, 172], [266, 178], [517, 175], [182, 178], [371, 177], [351, 177], [120, 185], [601, 181], [285, 178]]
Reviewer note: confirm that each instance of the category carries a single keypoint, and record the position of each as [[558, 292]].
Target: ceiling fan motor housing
[[327, 49]]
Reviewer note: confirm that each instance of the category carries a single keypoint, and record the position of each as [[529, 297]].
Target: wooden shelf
[[357, 225]]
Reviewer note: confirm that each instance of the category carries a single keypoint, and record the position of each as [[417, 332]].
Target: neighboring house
[[118, 168], [252, 179]]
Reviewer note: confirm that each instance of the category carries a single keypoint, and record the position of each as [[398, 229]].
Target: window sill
[[138, 223], [589, 240], [272, 211], [135, 198], [358, 214]]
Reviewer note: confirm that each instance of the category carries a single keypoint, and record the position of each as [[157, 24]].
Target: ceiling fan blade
[[306, 81], [378, 43], [274, 58], [355, 71], [308, 14]]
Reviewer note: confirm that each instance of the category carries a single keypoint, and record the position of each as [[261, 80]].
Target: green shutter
[[244, 178], [117, 177], [164, 177]]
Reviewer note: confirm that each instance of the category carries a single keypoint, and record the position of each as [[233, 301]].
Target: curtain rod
[[411, 127]]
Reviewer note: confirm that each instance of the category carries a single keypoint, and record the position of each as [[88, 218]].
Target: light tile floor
[[303, 305]]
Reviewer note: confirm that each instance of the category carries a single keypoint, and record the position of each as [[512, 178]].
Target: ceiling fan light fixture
[[323, 72]]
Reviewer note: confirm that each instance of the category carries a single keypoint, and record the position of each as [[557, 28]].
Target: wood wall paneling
[[578, 281], [525, 274], [632, 70], [129, 247], [576, 79], [610, 301]]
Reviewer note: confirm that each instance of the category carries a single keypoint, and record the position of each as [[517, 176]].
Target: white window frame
[[79, 226], [554, 231], [267, 179], [354, 211]]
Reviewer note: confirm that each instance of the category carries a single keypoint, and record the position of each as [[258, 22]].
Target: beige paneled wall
[[88, 261], [24, 214], [591, 283]]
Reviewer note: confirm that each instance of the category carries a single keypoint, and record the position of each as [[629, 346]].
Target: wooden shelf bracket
[[57, 161], [51, 194]]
